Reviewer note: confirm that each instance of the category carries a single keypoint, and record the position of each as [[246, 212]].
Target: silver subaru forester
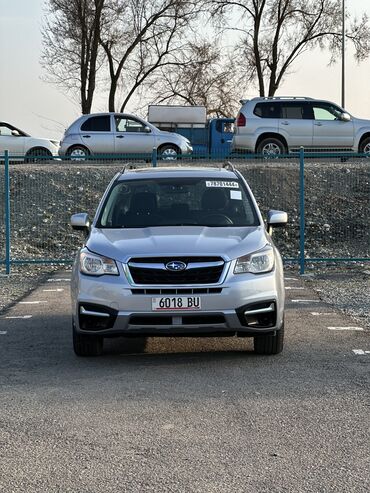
[[178, 252]]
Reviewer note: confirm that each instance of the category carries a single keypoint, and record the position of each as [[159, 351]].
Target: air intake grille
[[199, 270]]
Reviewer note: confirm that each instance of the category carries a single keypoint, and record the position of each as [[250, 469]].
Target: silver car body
[[295, 122], [122, 134], [223, 301]]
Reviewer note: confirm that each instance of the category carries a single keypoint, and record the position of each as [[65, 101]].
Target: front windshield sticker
[[235, 194], [222, 184]]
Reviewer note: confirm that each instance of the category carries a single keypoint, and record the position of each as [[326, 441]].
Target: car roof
[[177, 171]]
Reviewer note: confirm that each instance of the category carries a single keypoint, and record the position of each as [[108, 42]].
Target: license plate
[[171, 303]]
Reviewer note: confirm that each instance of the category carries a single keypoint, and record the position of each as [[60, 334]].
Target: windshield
[[178, 202]]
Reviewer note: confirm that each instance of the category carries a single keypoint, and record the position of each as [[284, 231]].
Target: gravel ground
[[346, 288], [23, 280]]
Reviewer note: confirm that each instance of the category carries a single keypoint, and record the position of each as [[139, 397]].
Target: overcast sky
[[42, 110]]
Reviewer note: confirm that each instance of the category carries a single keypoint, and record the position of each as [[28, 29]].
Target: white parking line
[[291, 279], [59, 280], [3, 332], [318, 314], [305, 301], [57, 290], [31, 302], [21, 316], [360, 351], [345, 328], [293, 287]]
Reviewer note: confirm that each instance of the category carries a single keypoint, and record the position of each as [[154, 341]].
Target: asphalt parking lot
[[183, 415]]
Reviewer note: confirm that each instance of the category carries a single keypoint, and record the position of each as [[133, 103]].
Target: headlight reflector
[[256, 263], [97, 265]]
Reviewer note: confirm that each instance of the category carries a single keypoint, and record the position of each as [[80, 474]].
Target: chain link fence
[[44, 194]]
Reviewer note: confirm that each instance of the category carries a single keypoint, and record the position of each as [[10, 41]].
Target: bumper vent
[[96, 317], [258, 315], [179, 291]]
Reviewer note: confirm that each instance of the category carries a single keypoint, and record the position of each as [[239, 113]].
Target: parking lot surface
[[183, 415]]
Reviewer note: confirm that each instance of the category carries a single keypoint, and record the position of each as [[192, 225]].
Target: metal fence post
[[7, 212], [154, 157], [301, 212]]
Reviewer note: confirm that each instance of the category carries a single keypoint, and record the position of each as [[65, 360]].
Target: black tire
[[365, 146], [37, 155], [271, 147], [87, 345], [270, 344], [169, 152], [78, 153]]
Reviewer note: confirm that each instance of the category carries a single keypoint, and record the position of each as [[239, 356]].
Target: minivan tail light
[[241, 120]]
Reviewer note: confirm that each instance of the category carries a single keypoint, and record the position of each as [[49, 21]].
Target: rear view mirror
[[80, 222], [345, 117], [15, 133], [276, 219], [147, 130]]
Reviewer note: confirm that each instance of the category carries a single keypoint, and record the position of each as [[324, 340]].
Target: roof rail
[[269, 98], [228, 165]]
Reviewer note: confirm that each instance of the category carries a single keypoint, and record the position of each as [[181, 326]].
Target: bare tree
[[138, 38], [201, 74], [274, 33], [70, 56]]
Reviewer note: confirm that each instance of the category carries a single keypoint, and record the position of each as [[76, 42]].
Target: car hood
[[121, 244], [163, 133]]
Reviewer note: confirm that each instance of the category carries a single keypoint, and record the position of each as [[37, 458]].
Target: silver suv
[[120, 133], [178, 252], [279, 125]]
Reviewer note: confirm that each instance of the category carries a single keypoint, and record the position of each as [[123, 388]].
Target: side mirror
[[276, 219], [15, 133], [80, 222], [147, 130], [345, 117]]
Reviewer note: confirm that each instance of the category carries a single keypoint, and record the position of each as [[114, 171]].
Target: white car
[[24, 146], [279, 125]]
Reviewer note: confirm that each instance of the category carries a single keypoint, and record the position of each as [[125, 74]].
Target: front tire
[[78, 153], [169, 152], [365, 147], [271, 147], [270, 344], [38, 155], [86, 345]]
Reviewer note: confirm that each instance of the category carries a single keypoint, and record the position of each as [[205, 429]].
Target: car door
[[296, 123], [329, 129], [132, 136], [96, 134], [15, 144]]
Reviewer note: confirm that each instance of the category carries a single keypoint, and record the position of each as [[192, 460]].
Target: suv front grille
[[199, 270]]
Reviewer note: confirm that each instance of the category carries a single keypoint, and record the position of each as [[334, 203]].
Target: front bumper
[[127, 311]]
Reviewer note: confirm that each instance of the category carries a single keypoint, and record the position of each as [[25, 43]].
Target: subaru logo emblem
[[175, 265]]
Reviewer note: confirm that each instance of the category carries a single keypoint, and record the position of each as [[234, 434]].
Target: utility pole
[[343, 52]]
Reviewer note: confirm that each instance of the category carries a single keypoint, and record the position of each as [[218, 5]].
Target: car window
[[178, 202], [224, 127], [296, 111], [326, 112], [124, 124], [267, 110], [5, 131], [96, 124]]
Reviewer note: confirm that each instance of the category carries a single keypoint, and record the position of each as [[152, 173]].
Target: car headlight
[[256, 263], [97, 265]]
